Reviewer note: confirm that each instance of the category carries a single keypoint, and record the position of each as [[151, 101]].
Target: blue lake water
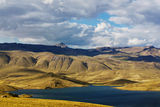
[[100, 95]]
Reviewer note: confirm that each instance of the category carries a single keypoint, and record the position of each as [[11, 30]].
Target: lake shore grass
[[140, 88], [151, 85], [30, 102]]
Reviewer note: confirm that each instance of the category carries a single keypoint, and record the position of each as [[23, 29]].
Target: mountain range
[[26, 65]]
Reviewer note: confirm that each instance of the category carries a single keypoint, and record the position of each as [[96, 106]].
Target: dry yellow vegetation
[[152, 85], [108, 64], [26, 69], [26, 102], [29, 78]]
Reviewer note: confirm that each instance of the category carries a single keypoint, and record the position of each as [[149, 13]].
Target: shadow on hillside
[[56, 50], [30, 70], [67, 78], [145, 58]]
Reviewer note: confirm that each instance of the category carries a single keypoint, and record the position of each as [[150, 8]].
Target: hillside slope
[[27, 69]]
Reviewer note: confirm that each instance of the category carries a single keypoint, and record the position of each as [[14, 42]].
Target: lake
[[100, 95]]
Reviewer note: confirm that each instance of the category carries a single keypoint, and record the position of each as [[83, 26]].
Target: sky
[[81, 23]]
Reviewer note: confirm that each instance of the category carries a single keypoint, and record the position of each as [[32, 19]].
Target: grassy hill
[[150, 85], [26, 78], [26, 69]]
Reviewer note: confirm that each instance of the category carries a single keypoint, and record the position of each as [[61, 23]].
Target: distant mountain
[[62, 45], [63, 49], [147, 50], [60, 48]]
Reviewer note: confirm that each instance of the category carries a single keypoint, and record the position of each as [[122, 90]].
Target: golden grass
[[26, 102], [31, 78], [101, 68], [152, 85]]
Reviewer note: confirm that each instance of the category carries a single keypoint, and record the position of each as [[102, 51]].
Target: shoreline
[[38, 101], [136, 89], [9, 99]]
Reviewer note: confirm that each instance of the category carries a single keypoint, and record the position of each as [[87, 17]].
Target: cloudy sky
[[81, 23]]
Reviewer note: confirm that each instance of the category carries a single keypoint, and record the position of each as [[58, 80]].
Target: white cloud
[[48, 1], [32, 40], [99, 41], [48, 22], [121, 20], [2, 1], [135, 41], [102, 27]]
